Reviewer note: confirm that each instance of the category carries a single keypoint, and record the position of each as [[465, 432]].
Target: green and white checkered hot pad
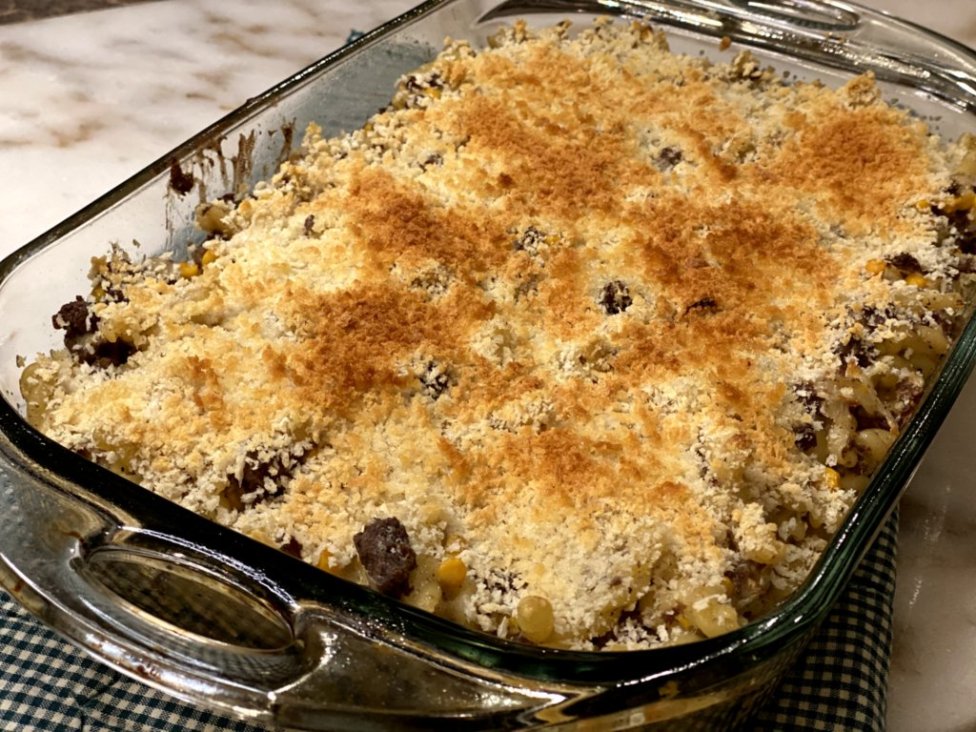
[[839, 683]]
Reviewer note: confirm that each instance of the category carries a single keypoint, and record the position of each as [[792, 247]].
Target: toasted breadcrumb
[[593, 321]]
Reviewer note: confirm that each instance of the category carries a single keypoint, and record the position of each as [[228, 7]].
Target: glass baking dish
[[214, 617]]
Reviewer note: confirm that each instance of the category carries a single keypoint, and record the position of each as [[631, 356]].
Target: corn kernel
[[670, 689], [189, 269], [323, 561], [714, 619], [923, 205], [875, 266], [426, 594], [259, 535], [208, 257], [684, 622], [832, 478], [961, 203], [535, 618], [433, 92], [451, 573], [916, 280]]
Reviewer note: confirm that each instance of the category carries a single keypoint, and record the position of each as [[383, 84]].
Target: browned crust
[[385, 319]]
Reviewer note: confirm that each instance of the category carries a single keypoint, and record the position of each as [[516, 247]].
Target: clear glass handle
[[187, 618], [817, 14], [840, 35]]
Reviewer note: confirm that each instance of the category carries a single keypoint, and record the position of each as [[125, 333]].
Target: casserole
[[93, 553]]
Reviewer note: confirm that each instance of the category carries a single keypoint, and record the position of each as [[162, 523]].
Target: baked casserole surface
[[579, 342]]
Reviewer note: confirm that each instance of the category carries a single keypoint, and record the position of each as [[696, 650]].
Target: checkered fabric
[[48, 684], [841, 681], [839, 684]]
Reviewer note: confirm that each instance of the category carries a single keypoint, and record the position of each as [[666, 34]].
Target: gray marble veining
[[20, 11]]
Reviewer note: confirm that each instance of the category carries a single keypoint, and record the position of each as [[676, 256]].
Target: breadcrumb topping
[[616, 330]]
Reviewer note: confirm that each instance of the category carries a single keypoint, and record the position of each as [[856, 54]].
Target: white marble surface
[[87, 100]]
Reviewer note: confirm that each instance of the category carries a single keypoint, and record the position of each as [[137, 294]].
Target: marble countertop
[[89, 99]]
